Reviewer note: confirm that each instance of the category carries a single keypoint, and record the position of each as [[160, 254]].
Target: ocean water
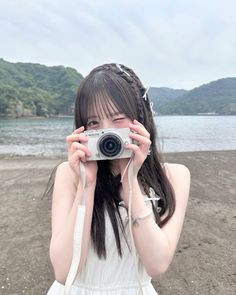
[[46, 137]]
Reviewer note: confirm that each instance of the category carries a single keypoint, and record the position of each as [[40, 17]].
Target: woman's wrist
[[134, 180], [138, 202]]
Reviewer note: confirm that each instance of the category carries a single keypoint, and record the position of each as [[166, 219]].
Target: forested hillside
[[161, 96], [28, 89], [217, 97]]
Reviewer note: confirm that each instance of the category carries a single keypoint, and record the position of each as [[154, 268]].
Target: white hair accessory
[[119, 67], [145, 93], [150, 102]]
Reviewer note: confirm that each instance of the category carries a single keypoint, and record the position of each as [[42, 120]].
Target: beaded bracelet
[[135, 220]]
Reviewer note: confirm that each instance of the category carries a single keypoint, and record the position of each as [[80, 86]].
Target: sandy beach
[[205, 259]]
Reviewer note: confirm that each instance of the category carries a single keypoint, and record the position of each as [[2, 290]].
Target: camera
[[108, 144]]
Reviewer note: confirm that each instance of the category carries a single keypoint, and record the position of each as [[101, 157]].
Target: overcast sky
[[169, 43]]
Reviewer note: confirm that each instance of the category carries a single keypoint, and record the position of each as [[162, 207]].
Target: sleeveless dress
[[114, 275]]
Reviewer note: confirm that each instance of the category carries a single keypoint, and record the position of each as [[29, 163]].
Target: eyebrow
[[92, 117], [107, 115]]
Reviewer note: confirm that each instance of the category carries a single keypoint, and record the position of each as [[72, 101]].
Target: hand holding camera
[[77, 151], [108, 144]]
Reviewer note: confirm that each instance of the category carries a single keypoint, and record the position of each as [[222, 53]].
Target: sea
[[46, 136]]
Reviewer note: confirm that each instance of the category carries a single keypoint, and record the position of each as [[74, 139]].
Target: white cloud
[[180, 44]]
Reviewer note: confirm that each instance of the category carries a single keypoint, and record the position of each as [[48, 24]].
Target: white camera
[[108, 143]]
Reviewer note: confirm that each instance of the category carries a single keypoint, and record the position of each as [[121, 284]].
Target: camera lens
[[110, 145]]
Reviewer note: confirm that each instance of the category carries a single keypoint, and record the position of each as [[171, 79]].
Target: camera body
[[108, 144]]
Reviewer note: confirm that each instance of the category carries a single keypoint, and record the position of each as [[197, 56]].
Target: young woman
[[123, 245]]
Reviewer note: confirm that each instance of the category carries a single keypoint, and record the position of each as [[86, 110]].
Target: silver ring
[[149, 152]]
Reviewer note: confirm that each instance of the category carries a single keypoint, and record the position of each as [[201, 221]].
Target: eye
[[92, 123], [119, 119]]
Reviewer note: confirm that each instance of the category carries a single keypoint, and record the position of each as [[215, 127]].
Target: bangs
[[101, 105], [103, 95]]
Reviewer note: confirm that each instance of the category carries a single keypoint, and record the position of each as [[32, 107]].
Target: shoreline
[[204, 257], [13, 156], [155, 116]]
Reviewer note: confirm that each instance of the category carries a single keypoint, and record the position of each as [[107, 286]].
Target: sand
[[204, 262]]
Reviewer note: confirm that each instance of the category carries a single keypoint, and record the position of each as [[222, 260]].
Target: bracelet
[[135, 221]]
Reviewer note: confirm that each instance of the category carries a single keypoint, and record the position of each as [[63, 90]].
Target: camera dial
[[110, 145]]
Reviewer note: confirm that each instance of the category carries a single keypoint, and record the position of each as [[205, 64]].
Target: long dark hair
[[106, 87]]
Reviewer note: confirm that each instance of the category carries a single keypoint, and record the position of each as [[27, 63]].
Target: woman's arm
[[66, 198], [156, 246]]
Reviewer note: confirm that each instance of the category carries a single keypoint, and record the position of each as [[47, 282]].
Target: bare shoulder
[[65, 172], [174, 170], [179, 178], [65, 187], [63, 196], [178, 175], [64, 166]]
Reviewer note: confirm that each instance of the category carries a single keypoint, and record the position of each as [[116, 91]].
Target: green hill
[[217, 97], [161, 96], [28, 89]]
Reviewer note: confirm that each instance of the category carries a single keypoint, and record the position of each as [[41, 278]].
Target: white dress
[[110, 276]]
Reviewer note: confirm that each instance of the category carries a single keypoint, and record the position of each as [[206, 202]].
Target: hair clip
[[150, 102], [154, 196], [145, 93], [119, 67], [151, 108]]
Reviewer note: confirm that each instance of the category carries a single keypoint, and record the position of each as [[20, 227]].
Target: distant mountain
[[161, 96], [28, 89], [217, 97]]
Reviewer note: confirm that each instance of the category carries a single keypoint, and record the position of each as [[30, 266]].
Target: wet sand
[[205, 259]]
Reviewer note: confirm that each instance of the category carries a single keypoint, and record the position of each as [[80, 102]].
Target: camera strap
[[133, 248], [79, 227]]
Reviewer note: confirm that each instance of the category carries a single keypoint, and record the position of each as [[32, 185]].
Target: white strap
[[78, 235], [78, 232], [130, 177]]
